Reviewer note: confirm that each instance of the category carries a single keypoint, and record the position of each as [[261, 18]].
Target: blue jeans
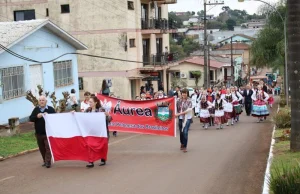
[[184, 132]]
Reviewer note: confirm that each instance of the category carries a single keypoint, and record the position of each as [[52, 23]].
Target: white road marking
[[7, 178], [124, 139]]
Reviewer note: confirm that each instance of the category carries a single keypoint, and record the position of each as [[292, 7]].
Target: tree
[[197, 75], [230, 24], [294, 72], [173, 18], [268, 47], [200, 13]]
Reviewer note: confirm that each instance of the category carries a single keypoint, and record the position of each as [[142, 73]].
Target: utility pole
[[205, 48], [232, 65], [206, 65]]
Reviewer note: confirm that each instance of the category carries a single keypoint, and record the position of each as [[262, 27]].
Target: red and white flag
[[77, 136]]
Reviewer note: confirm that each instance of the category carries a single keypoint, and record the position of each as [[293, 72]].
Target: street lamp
[[286, 85]]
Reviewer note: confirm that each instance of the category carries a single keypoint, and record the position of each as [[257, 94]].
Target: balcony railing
[[159, 59], [160, 24]]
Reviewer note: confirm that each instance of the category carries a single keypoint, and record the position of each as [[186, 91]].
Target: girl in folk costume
[[198, 100], [236, 104], [211, 98], [260, 109], [219, 111], [204, 112], [271, 99], [228, 108]]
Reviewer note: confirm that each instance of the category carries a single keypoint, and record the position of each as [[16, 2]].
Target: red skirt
[[228, 115], [204, 120], [220, 120]]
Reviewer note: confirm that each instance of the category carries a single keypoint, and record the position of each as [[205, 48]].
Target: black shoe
[[90, 165], [115, 134], [102, 163], [48, 165]]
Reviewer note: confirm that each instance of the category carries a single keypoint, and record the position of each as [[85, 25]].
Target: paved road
[[228, 161]]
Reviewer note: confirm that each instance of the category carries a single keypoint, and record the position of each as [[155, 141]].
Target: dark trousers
[[44, 148], [248, 107], [184, 132]]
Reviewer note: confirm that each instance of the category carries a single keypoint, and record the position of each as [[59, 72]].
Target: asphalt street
[[228, 161]]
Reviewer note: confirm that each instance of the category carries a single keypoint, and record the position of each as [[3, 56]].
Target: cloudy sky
[[196, 5]]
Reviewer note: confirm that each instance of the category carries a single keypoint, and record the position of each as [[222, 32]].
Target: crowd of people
[[221, 106], [213, 106]]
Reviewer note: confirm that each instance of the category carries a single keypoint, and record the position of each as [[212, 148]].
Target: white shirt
[[84, 105]]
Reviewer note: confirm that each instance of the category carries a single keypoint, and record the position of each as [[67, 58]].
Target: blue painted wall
[[42, 45]]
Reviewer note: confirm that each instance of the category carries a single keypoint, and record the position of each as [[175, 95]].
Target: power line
[[52, 60]]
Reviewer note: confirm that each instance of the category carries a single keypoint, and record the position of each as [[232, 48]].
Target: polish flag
[[77, 136]]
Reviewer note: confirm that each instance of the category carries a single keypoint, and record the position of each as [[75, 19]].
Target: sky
[[196, 5]]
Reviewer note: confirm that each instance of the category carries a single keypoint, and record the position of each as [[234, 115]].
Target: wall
[[186, 68], [44, 47], [105, 27]]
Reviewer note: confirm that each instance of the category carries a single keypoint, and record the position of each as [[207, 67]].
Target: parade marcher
[[194, 102], [184, 112], [177, 92], [236, 104], [228, 107], [142, 90], [271, 99], [211, 99], [204, 112], [219, 111], [260, 109], [160, 94], [248, 99], [105, 88], [143, 96], [85, 104], [40, 129], [95, 106], [223, 92], [72, 101]]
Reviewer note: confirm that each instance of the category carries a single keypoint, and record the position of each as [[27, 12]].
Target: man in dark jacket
[[248, 100], [40, 129]]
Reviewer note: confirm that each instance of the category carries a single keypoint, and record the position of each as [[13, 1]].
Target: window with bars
[[12, 81], [63, 73]]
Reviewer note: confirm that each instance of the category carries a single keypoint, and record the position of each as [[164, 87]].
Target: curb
[[19, 154], [266, 188]]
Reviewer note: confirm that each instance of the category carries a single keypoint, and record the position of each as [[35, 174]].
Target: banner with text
[[156, 117]]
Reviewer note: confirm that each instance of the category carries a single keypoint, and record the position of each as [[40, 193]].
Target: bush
[[283, 118], [285, 180], [282, 102]]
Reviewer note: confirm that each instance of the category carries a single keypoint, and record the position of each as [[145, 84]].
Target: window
[[191, 75], [80, 83], [24, 15], [65, 8], [47, 12], [130, 5], [63, 73], [132, 43], [12, 80]]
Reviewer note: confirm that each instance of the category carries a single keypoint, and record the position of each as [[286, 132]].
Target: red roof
[[200, 61], [235, 46]]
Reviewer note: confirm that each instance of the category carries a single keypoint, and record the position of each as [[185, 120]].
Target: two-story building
[[131, 35], [40, 41]]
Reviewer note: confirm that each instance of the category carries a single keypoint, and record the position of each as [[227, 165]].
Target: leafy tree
[[197, 75], [230, 24], [175, 19], [268, 48], [189, 46]]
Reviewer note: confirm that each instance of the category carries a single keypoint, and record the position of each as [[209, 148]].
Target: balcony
[[157, 24], [159, 59], [167, 1]]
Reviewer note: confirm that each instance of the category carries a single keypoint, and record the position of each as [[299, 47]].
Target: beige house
[[128, 30], [184, 70]]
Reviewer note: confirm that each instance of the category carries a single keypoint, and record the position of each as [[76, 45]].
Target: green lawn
[[282, 153], [16, 144]]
